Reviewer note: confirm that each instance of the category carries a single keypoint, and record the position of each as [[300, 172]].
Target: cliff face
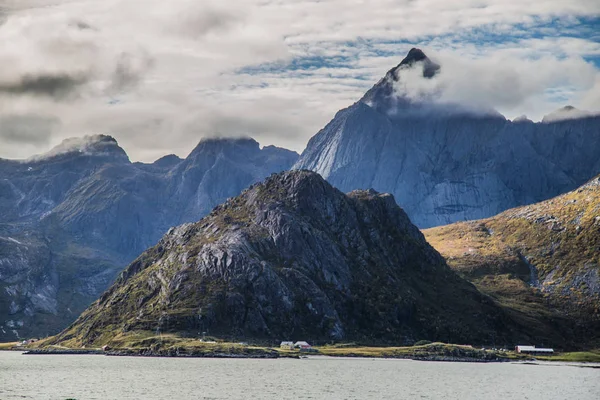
[[445, 164], [542, 261], [72, 218], [294, 257]]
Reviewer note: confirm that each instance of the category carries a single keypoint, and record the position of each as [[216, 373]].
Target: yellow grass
[[8, 346]]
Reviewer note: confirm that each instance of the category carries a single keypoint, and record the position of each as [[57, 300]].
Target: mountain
[[445, 163], [542, 261], [73, 218], [294, 257]]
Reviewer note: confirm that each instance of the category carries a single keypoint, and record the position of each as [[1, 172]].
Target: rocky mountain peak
[[522, 119], [225, 144], [566, 113], [416, 55], [167, 161], [293, 184], [88, 145], [383, 95]]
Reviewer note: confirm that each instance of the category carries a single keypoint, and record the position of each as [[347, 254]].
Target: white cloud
[[160, 75], [504, 80]]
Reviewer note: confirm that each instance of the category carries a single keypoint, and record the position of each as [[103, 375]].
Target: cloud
[[65, 56], [27, 130], [501, 80], [205, 21], [129, 72], [88, 144], [161, 75], [57, 86]]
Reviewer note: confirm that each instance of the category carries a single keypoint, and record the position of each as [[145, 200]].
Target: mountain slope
[[294, 257], [444, 163], [73, 218], [541, 261]]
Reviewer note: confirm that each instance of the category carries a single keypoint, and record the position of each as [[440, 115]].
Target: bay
[[100, 377]]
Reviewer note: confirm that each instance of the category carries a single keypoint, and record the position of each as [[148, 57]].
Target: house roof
[[537, 349], [301, 344], [287, 344], [526, 348]]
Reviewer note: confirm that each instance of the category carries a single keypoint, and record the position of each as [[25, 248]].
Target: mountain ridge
[[444, 164], [83, 211]]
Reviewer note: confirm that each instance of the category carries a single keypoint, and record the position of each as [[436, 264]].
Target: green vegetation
[[432, 351], [148, 344], [578, 356], [537, 262]]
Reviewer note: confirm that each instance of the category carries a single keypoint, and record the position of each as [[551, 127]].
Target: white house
[[533, 350], [302, 345], [287, 345]]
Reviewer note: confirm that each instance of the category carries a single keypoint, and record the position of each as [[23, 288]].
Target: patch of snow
[[9, 239]]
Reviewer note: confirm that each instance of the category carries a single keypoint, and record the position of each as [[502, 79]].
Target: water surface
[[100, 377]]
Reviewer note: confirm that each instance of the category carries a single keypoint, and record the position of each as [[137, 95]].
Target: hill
[[541, 262], [294, 257]]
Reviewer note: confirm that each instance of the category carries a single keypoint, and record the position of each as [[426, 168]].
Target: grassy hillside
[[295, 257], [541, 262]]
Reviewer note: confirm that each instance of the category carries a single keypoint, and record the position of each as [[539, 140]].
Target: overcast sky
[[160, 75]]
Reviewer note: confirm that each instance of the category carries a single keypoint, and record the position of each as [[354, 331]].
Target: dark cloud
[[28, 129], [58, 86], [82, 25], [129, 72], [206, 21]]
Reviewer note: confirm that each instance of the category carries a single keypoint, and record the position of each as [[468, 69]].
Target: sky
[[161, 75]]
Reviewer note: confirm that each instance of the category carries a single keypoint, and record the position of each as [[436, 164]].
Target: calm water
[[100, 377]]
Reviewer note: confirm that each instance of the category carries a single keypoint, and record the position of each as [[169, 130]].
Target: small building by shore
[[287, 345], [533, 350], [302, 345]]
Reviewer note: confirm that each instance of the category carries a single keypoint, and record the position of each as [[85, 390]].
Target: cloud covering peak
[[162, 75], [89, 145], [501, 81]]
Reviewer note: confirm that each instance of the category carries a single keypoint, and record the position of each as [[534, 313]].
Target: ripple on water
[[99, 377]]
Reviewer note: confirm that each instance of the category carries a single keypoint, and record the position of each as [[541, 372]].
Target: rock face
[[71, 219], [445, 164], [294, 257], [542, 261]]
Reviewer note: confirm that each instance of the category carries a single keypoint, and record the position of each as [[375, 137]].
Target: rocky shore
[[150, 352], [182, 352], [43, 351]]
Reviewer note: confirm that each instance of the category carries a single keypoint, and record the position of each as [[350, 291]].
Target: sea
[[85, 377]]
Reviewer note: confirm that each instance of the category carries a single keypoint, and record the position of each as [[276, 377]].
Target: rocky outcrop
[[73, 218], [294, 257], [542, 261], [444, 163]]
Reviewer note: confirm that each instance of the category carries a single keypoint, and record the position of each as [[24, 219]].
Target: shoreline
[[173, 346], [275, 355]]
